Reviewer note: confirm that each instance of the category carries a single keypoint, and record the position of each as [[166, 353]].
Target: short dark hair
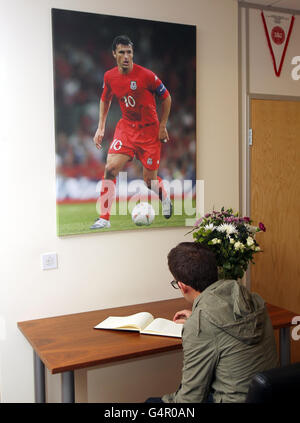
[[193, 264], [121, 39]]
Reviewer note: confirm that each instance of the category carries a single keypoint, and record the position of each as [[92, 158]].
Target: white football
[[143, 214]]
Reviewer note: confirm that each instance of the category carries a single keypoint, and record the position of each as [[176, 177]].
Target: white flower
[[257, 249], [232, 241], [210, 227], [216, 241], [250, 241], [239, 245], [228, 228], [251, 229]]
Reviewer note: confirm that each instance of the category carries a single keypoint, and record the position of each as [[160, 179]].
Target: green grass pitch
[[77, 218]]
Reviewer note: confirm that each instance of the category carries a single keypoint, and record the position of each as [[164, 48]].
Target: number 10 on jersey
[[129, 101]]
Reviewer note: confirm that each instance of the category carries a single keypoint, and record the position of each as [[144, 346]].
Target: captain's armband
[[161, 90]]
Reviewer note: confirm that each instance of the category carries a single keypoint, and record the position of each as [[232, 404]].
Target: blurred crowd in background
[[82, 54]]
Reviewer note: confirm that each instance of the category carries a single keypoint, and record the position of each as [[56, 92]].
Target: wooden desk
[[69, 342]]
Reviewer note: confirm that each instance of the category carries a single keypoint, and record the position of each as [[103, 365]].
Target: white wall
[[87, 278], [262, 78]]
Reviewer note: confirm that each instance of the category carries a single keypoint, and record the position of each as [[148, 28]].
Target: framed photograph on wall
[[125, 122]]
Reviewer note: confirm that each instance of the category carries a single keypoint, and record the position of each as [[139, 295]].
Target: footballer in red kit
[[139, 133]]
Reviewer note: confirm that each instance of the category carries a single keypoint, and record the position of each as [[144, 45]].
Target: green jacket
[[227, 339]]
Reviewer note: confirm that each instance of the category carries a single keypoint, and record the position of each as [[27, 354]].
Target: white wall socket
[[49, 261]]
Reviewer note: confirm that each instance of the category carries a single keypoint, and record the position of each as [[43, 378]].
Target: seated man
[[227, 336]]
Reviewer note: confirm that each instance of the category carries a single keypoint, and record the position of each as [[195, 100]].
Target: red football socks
[[162, 193], [107, 197]]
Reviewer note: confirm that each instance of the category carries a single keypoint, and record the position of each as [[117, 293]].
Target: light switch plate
[[49, 261]]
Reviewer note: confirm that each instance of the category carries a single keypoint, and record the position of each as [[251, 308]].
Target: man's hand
[[163, 134], [98, 138], [181, 316]]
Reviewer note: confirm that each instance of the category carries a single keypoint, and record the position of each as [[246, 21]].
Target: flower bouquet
[[231, 238]]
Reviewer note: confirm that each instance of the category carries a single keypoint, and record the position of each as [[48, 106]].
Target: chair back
[[280, 385]]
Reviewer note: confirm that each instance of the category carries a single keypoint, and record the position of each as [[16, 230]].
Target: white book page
[[133, 322], [164, 327]]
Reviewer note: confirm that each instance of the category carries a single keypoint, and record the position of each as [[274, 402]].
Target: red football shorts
[[140, 140]]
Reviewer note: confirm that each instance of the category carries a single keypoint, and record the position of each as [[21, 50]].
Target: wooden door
[[275, 201]]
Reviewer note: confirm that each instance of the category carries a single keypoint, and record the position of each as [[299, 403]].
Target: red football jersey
[[135, 92]]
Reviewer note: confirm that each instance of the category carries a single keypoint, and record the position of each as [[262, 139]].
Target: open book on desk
[[144, 323]]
